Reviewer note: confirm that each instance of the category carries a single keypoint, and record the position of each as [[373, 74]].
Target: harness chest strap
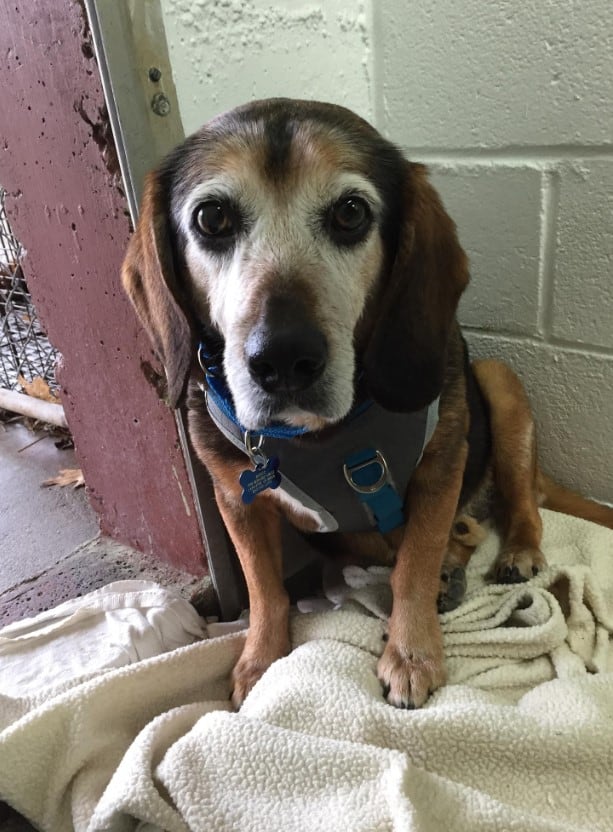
[[366, 464]]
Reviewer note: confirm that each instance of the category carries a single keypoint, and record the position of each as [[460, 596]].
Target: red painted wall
[[67, 211]]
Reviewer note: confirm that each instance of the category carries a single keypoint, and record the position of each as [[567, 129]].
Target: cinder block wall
[[510, 103], [226, 53]]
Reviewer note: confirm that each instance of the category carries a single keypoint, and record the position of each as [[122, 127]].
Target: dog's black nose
[[289, 359]]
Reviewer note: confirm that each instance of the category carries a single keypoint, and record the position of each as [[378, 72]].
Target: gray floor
[[38, 526], [50, 547]]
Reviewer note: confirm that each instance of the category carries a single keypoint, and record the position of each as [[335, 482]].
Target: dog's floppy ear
[[149, 278], [405, 358]]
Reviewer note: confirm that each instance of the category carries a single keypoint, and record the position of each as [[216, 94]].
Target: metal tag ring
[[255, 452], [368, 489]]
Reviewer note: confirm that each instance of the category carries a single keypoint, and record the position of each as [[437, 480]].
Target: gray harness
[[352, 479]]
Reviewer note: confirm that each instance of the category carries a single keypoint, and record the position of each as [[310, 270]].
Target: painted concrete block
[[583, 288], [572, 398], [496, 74], [67, 210], [497, 212], [229, 52]]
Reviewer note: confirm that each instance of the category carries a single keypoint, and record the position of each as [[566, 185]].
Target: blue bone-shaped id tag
[[264, 475]]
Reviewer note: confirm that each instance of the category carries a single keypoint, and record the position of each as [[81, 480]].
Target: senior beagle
[[302, 278]]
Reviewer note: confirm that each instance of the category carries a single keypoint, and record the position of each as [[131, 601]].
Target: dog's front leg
[[412, 664], [255, 531]]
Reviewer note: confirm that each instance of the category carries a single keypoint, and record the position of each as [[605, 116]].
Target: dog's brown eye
[[214, 219], [349, 219]]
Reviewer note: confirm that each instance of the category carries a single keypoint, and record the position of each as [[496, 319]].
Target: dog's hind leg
[[466, 534], [515, 471]]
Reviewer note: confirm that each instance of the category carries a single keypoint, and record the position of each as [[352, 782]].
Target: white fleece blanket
[[520, 739]]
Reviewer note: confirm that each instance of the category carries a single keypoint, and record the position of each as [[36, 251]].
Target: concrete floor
[[50, 547], [38, 526]]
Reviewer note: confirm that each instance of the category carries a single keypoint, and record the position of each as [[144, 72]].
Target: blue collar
[[219, 393]]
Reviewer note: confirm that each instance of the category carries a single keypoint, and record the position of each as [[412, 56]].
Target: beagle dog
[[299, 279]]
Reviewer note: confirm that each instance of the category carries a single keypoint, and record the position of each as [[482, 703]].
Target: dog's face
[[287, 228], [280, 229]]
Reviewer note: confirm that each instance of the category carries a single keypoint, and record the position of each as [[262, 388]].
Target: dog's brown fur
[[410, 346]]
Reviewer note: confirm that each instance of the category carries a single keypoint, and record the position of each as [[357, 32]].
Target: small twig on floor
[[35, 442]]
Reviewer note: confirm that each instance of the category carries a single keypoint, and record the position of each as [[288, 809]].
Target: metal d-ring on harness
[[374, 451], [367, 472], [367, 489]]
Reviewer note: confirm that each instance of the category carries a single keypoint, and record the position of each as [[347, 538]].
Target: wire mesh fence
[[25, 349]]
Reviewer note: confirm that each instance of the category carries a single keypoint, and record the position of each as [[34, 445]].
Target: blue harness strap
[[367, 473]]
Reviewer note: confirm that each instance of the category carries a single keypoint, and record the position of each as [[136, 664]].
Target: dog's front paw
[[516, 564], [410, 673], [253, 663]]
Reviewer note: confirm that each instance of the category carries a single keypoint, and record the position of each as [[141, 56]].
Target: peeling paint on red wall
[[66, 205]]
